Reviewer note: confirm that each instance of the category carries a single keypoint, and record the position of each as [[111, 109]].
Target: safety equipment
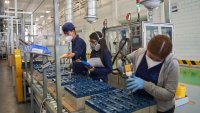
[[134, 83], [151, 63], [92, 46], [68, 27], [95, 47], [69, 38]]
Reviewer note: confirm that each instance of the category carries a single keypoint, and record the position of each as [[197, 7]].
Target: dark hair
[[160, 45], [97, 35]]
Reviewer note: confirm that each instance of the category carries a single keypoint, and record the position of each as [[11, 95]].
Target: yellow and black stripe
[[189, 62]]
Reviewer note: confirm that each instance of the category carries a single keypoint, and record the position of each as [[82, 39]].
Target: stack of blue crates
[[87, 88], [119, 101], [50, 71], [38, 67], [74, 78]]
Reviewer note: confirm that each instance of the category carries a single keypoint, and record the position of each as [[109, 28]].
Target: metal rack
[[31, 81]]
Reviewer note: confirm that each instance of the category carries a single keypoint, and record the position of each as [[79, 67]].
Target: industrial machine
[[126, 38]]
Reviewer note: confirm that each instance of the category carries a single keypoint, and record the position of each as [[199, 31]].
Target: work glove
[[135, 83]]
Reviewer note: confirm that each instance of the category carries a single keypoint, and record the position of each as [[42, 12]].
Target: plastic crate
[[119, 101], [87, 88]]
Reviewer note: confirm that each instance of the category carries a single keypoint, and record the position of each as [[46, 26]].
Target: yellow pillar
[[18, 74]]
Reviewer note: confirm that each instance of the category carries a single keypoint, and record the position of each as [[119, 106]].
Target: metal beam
[[31, 85], [57, 57], [19, 12], [167, 9], [31, 28], [7, 16], [12, 49]]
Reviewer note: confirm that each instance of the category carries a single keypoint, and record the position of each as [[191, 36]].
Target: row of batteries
[[104, 98]]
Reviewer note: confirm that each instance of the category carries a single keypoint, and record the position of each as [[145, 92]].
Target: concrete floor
[[8, 103], [193, 93], [191, 78]]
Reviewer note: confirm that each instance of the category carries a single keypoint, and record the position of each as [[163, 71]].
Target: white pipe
[[3, 32], [17, 27], [116, 9], [7, 16], [69, 6], [12, 49], [32, 27], [167, 8], [15, 8], [19, 12], [12, 37], [91, 11]]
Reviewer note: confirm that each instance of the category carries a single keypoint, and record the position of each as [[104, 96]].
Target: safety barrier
[[189, 63]]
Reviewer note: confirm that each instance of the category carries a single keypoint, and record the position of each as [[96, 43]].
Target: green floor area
[[190, 76]]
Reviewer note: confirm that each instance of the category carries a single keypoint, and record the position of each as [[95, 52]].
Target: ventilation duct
[[91, 15], [69, 5], [151, 5]]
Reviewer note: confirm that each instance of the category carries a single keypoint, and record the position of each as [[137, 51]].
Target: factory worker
[[99, 49], [156, 73], [78, 48]]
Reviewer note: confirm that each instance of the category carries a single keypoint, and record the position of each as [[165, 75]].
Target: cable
[[119, 50], [37, 8], [42, 104]]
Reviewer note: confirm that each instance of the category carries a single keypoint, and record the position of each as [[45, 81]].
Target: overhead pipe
[[91, 14], [69, 6], [19, 12], [167, 11], [7, 16]]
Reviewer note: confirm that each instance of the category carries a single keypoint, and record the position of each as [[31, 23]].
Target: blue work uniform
[[102, 72], [79, 48], [150, 75]]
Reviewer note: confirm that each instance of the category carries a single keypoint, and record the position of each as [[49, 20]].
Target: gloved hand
[[135, 83]]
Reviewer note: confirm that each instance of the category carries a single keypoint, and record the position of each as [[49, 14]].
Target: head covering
[[97, 35], [68, 27], [160, 46]]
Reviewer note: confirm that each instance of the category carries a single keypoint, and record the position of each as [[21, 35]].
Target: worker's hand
[[92, 69], [70, 55], [135, 83], [78, 60], [64, 56]]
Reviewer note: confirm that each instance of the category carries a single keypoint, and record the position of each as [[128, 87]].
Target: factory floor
[[191, 78], [8, 103]]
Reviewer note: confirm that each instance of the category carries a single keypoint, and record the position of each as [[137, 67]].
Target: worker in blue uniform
[[78, 52], [156, 73], [99, 49]]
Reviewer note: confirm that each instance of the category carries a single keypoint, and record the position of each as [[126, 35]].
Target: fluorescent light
[[36, 19], [7, 2], [42, 16], [48, 11]]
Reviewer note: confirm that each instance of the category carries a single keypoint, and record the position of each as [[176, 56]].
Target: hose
[[119, 50]]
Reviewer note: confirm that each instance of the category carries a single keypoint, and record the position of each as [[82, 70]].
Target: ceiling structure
[[42, 9]]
